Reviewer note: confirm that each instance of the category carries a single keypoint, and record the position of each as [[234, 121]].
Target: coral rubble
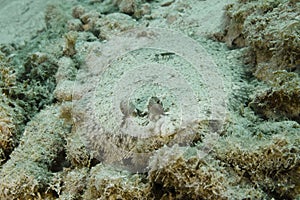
[[100, 106]]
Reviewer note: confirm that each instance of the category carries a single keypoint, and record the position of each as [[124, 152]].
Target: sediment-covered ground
[[136, 99]]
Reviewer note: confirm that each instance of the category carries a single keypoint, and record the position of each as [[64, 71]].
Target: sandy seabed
[[136, 99]]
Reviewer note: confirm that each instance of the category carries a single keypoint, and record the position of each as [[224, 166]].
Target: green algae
[[251, 157], [270, 29], [27, 173]]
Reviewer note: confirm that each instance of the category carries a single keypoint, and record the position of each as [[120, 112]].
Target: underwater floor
[[150, 99]]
